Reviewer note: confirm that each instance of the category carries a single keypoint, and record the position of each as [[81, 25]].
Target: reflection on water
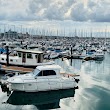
[[94, 86], [93, 92], [42, 100]]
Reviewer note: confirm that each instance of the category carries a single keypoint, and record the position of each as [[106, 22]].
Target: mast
[[75, 32], [4, 31], [105, 33]]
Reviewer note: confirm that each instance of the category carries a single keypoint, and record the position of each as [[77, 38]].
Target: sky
[[55, 16]]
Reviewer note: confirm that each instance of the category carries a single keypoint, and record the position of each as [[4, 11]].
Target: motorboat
[[88, 57], [43, 78], [24, 58], [108, 50], [99, 55], [53, 55]]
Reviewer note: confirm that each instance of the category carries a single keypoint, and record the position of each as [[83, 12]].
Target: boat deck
[[69, 75], [16, 68]]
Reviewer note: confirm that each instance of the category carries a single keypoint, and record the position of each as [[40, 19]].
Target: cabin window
[[19, 54], [36, 56], [29, 55], [47, 73], [15, 54], [2, 58], [11, 60]]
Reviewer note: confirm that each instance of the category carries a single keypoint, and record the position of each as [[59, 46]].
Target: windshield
[[36, 71]]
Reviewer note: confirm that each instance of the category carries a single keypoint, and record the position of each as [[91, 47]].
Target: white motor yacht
[[43, 78]]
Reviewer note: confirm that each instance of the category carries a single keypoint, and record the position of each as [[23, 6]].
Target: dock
[[75, 57], [15, 69]]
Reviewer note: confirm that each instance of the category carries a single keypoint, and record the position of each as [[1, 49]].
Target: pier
[[15, 69]]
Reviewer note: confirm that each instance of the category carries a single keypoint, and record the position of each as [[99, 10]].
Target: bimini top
[[28, 51], [48, 67]]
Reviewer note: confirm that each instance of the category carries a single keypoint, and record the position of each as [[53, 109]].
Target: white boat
[[104, 48], [98, 55], [43, 78], [65, 53], [108, 50], [25, 58], [53, 55]]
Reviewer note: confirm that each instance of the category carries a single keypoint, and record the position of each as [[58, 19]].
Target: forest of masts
[[58, 32]]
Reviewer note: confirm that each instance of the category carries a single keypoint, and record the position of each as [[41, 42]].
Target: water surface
[[93, 92]]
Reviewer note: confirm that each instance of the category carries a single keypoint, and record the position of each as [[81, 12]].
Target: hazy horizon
[[56, 17]]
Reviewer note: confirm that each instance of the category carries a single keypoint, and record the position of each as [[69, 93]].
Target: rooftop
[[48, 67]]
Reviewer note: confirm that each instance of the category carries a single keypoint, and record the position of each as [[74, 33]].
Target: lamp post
[[7, 53]]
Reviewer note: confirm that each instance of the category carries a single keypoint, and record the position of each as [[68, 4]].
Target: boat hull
[[27, 65], [99, 57], [43, 86]]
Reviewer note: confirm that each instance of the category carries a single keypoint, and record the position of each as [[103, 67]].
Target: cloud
[[100, 10], [94, 11], [79, 13], [50, 9], [13, 10], [39, 10]]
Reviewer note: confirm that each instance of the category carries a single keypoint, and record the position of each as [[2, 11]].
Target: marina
[[93, 92], [92, 87], [54, 54]]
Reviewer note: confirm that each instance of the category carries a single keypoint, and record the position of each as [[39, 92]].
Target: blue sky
[[55, 16]]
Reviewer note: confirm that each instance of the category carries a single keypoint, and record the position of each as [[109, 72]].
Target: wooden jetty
[[15, 69]]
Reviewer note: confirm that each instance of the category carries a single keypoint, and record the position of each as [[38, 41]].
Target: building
[[11, 34]]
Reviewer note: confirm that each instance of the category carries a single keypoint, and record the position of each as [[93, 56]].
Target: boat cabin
[[23, 57], [47, 70], [29, 55]]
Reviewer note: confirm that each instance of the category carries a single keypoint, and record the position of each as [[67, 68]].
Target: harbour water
[[93, 92]]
